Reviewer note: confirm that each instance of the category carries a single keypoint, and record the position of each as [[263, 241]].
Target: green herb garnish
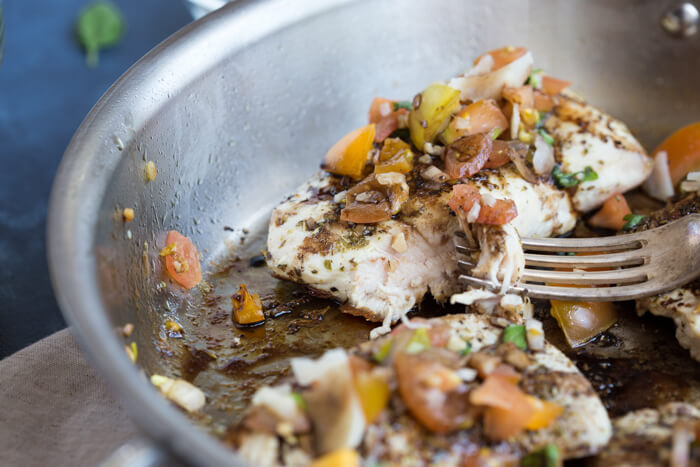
[[565, 180], [546, 137], [383, 351], [467, 348], [515, 333], [402, 105], [99, 25], [535, 79], [328, 264], [419, 341], [547, 456], [299, 399], [632, 221], [496, 133]]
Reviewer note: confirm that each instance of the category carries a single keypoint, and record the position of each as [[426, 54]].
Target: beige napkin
[[55, 410]]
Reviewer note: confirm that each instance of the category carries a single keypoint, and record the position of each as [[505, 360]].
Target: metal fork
[[625, 267]]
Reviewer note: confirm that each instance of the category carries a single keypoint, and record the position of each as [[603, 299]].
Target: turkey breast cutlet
[[381, 266], [419, 398]]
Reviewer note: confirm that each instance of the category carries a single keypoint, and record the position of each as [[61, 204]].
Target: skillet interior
[[231, 136]]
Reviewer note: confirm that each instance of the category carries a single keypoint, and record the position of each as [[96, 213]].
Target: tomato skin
[[683, 150], [611, 214], [184, 249], [503, 56], [465, 196], [553, 86]]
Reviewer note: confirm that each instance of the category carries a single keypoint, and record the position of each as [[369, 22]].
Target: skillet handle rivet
[[681, 20]]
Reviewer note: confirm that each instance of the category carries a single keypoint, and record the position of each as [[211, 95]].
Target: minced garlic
[[151, 171], [186, 395]]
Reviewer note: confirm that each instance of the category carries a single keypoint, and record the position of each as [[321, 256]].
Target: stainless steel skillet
[[237, 108]]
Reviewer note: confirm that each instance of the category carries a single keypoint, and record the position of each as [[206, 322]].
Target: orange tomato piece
[[182, 260], [395, 156], [247, 308], [545, 413], [611, 214], [345, 457], [582, 321], [508, 410], [349, 155], [523, 96], [387, 123], [484, 116], [504, 56], [543, 102], [683, 149], [553, 86], [465, 196], [373, 392], [499, 155]]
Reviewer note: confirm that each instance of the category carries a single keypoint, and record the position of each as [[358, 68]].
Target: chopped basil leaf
[[496, 133], [547, 456], [299, 399], [99, 25], [546, 137], [419, 341], [515, 333], [567, 180], [633, 221], [383, 351], [465, 351], [402, 105], [535, 79]]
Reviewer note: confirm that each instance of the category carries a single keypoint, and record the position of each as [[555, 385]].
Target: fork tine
[[465, 250], [593, 294], [486, 284], [619, 276], [627, 258], [616, 243], [465, 263]]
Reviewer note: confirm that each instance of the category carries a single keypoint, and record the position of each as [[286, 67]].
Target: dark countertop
[[45, 92]]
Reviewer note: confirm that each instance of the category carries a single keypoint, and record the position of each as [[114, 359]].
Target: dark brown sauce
[[635, 364]]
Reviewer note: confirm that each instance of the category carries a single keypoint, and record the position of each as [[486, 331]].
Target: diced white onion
[[488, 199], [543, 158], [185, 394], [534, 334], [691, 183], [473, 213], [515, 121], [340, 197], [391, 178], [659, 184], [433, 149], [425, 159], [278, 400], [433, 174], [307, 370], [484, 65], [466, 374], [462, 123], [489, 85], [385, 109]]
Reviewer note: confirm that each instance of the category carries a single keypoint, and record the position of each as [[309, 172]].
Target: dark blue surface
[[45, 92]]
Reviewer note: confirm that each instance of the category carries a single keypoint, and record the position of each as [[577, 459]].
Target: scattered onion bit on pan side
[[247, 308], [181, 260]]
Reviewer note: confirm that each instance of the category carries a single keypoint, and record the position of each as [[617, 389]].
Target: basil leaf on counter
[[99, 25]]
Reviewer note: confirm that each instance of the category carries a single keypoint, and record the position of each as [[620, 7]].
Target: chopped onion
[[488, 199], [425, 159], [691, 183], [543, 158], [434, 149], [183, 393], [462, 123], [473, 213], [433, 174], [659, 184], [489, 85], [484, 65], [515, 121], [384, 109], [534, 334]]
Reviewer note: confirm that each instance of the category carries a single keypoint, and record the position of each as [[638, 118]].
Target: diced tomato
[[345, 457], [611, 214], [499, 155], [507, 372], [683, 150], [438, 410], [182, 260], [395, 156], [467, 156], [349, 155], [504, 56], [523, 96], [465, 196], [508, 410], [484, 116], [247, 308], [386, 124], [543, 102], [553, 86], [545, 413], [582, 321]]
